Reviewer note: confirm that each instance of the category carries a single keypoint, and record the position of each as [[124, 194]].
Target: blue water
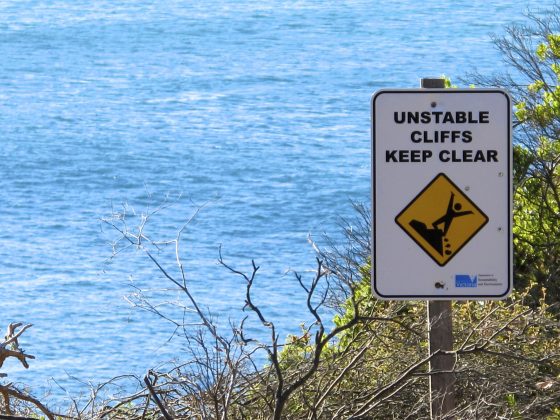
[[258, 109]]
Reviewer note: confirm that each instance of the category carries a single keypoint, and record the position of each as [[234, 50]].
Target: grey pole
[[440, 334]]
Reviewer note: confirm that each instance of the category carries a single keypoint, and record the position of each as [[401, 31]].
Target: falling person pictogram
[[435, 236], [451, 214]]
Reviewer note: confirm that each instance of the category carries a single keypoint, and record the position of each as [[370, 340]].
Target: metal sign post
[[442, 205], [440, 338]]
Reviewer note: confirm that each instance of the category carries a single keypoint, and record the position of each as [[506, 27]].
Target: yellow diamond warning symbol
[[441, 219]]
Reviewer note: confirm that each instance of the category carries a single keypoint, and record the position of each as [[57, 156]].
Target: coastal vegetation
[[358, 357]]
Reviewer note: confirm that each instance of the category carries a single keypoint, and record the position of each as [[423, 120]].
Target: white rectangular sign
[[442, 194]]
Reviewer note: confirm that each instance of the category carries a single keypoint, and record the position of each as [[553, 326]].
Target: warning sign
[[441, 219], [441, 194]]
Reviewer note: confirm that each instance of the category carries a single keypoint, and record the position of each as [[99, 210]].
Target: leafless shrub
[[16, 400], [368, 359], [370, 362]]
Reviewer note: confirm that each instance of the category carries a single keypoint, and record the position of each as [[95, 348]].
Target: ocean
[[252, 114]]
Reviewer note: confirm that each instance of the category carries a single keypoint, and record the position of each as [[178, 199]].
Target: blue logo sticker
[[464, 280]]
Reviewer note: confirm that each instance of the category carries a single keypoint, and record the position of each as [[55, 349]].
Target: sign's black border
[[374, 208]]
